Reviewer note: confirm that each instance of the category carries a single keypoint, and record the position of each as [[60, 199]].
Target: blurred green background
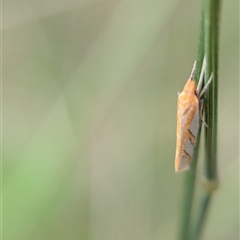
[[89, 118]]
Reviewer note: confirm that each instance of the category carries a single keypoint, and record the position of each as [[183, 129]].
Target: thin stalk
[[188, 195], [189, 177], [212, 96], [201, 217], [210, 180], [208, 47]]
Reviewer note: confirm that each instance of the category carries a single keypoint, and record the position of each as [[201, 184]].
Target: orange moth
[[188, 120]]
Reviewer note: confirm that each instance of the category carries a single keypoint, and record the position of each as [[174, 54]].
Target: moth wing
[[194, 125], [185, 159], [184, 163]]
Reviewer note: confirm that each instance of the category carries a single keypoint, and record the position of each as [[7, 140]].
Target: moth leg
[[206, 86], [201, 113], [203, 70]]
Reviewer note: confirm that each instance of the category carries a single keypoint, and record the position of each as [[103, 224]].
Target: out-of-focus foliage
[[89, 115]]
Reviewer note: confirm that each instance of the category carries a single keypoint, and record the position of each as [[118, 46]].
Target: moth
[[189, 108]]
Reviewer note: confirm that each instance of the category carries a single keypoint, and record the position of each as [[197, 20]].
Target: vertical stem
[[208, 104], [189, 177], [187, 197], [201, 217], [208, 47], [211, 96], [200, 50], [210, 181]]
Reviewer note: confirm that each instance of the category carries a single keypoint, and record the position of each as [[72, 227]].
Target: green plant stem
[[208, 47], [201, 217], [210, 180], [190, 176], [211, 97], [187, 197], [200, 50]]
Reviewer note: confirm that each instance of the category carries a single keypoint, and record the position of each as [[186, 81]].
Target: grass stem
[[208, 47]]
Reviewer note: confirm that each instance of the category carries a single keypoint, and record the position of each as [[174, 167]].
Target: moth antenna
[[201, 76], [193, 70]]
